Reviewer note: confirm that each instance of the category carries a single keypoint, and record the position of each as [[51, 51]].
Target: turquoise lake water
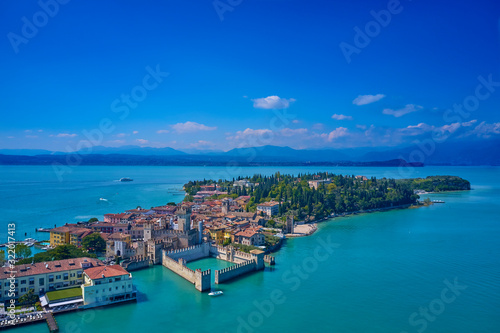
[[379, 271]]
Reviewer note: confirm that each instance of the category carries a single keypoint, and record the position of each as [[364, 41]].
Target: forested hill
[[438, 183], [339, 194]]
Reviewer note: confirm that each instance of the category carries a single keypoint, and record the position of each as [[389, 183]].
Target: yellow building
[[68, 235]]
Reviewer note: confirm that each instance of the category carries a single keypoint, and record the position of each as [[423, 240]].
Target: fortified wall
[[190, 253], [201, 280], [135, 263], [175, 260], [234, 271]]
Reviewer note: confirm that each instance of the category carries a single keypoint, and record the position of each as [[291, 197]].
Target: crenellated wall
[[269, 259], [175, 260], [201, 279], [235, 271], [135, 263], [190, 253]]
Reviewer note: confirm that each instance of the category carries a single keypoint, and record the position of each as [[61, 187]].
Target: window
[[41, 281], [109, 289], [65, 276], [58, 277], [51, 278], [23, 281], [32, 281], [117, 279], [23, 290], [79, 274]]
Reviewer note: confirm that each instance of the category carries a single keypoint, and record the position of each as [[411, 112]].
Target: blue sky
[[251, 73]]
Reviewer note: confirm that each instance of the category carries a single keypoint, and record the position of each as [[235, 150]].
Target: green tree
[[22, 251], [94, 243], [2, 258], [28, 298], [93, 219]]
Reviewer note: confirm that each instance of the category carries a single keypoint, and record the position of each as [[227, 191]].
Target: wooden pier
[[52, 323]]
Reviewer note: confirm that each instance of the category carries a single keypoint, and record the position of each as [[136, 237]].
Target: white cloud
[[318, 126], [341, 117], [362, 127], [135, 132], [272, 102], [337, 133], [292, 132], [469, 123], [202, 144], [65, 135], [191, 126], [485, 130], [40, 131], [367, 99], [409, 108], [28, 131], [11, 137], [121, 135], [142, 141], [296, 121], [163, 131]]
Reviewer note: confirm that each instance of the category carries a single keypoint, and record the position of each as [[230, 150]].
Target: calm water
[[381, 269]]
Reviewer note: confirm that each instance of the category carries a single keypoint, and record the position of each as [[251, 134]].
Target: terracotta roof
[[105, 272], [246, 233], [48, 267], [268, 204]]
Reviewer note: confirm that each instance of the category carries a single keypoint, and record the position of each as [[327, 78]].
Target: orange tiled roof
[[105, 272]]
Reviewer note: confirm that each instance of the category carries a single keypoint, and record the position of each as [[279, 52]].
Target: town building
[[68, 235], [45, 276], [270, 208], [105, 285], [316, 183]]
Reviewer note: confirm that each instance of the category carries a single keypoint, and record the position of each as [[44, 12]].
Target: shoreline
[[315, 223]]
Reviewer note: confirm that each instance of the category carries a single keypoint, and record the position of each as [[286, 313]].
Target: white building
[[270, 208], [106, 285]]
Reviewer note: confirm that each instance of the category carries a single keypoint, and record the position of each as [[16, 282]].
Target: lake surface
[[381, 272]]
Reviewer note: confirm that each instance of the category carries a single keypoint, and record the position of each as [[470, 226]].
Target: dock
[[31, 319], [51, 322]]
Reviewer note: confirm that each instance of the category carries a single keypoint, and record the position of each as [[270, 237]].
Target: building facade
[[44, 277], [107, 285]]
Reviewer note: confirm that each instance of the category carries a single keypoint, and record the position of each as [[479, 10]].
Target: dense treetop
[[344, 193]]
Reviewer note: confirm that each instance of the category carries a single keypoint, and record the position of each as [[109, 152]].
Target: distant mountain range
[[479, 152]]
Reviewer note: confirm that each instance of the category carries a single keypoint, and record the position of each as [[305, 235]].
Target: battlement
[[270, 259], [236, 270]]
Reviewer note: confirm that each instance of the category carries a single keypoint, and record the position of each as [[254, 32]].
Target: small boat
[[215, 293], [126, 179], [102, 199]]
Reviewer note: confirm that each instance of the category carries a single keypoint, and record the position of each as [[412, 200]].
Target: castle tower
[[148, 231], [289, 227], [200, 231], [184, 219], [225, 207]]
